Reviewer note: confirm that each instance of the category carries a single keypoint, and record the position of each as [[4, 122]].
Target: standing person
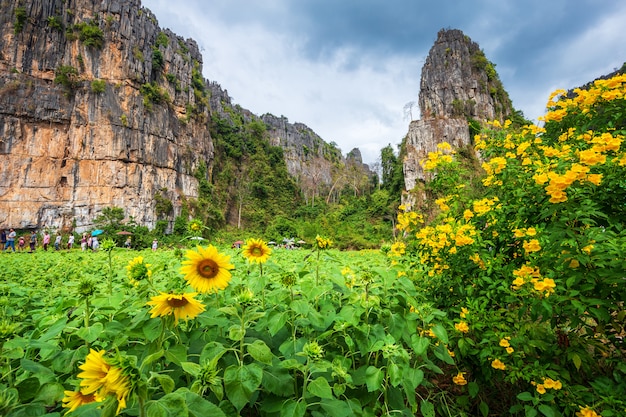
[[10, 240], [57, 242], [70, 241], [155, 245], [33, 241], [90, 242], [94, 243], [46, 240], [83, 243], [3, 239]]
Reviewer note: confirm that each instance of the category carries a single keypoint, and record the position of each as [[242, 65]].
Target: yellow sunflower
[[256, 251], [95, 371], [138, 270], [118, 384], [74, 399], [182, 306], [206, 270], [101, 378]]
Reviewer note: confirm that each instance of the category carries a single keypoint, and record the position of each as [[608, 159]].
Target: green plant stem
[[162, 334], [87, 312], [317, 269], [305, 375], [110, 272], [262, 286], [142, 407], [243, 333]]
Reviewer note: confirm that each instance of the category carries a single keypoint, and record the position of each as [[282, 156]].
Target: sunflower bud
[[313, 351], [107, 245], [288, 279], [86, 287]]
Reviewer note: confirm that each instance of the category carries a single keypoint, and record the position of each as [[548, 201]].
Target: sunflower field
[[506, 303]]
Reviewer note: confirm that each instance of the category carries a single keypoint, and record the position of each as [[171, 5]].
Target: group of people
[[8, 241]]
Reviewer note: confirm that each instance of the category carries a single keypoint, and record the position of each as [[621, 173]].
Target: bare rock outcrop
[[458, 85], [99, 107]]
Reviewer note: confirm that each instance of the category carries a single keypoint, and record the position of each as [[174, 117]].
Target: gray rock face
[[458, 83], [304, 150], [128, 119]]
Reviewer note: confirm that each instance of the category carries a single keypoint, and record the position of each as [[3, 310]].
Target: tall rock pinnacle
[[458, 85]]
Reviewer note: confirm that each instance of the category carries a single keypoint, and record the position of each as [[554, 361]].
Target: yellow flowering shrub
[[536, 251]]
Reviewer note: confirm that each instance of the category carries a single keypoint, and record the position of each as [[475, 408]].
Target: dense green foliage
[[250, 185], [98, 86], [90, 34], [55, 23], [20, 19], [153, 94], [67, 76]]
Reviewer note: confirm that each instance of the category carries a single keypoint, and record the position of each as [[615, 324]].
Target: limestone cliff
[[98, 107], [314, 163], [458, 85]]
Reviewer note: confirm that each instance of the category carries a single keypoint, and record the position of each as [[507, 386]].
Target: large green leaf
[[260, 352], [341, 408], [374, 378], [90, 334], [241, 382], [171, 405], [293, 409], [320, 388], [42, 373], [419, 344], [50, 393], [427, 408], [198, 406]]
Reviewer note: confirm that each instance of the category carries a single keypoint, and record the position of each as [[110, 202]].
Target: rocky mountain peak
[[458, 85]]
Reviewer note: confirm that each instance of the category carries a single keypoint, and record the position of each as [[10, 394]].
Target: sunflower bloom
[[257, 251], [182, 306], [74, 399], [206, 270], [101, 379], [95, 370]]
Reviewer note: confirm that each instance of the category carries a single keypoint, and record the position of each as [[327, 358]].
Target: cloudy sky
[[347, 68]]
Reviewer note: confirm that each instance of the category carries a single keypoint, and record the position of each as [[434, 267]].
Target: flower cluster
[[323, 242], [440, 157], [530, 274], [548, 383], [408, 220], [547, 221]]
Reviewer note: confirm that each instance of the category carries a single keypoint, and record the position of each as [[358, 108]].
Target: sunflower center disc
[[175, 302], [207, 268]]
